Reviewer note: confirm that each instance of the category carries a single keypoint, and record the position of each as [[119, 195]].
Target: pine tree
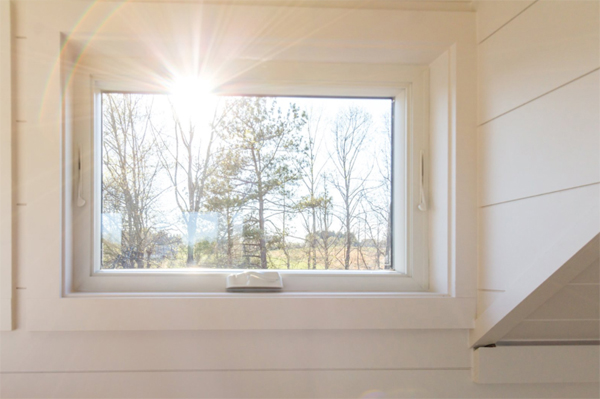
[[267, 140]]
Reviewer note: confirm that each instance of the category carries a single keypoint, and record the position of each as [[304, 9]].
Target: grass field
[[360, 259], [364, 258]]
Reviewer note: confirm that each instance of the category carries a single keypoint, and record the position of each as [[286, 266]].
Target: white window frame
[[410, 94]]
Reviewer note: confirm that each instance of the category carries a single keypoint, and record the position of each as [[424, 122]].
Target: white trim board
[[128, 351], [552, 271], [537, 364], [6, 202], [239, 312]]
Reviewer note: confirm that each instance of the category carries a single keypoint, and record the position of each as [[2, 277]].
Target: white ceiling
[[264, 34], [338, 51]]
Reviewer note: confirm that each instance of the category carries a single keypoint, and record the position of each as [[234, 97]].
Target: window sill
[[284, 311], [198, 282]]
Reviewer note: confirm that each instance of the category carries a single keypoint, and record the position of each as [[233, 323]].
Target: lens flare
[[192, 98]]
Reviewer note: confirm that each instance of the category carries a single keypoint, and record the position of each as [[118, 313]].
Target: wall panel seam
[[557, 320], [539, 195], [540, 96], [507, 22], [240, 370], [582, 284]]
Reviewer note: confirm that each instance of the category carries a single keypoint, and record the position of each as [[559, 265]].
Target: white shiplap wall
[[539, 150]]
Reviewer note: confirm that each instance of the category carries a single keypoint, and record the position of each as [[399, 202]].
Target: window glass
[[245, 182]]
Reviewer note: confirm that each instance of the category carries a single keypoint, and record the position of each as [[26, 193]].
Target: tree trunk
[[261, 227], [139, 258], [326, 247], [313, 238], [287, 257], [359, 249], [348, 240], [283, 233], [191, 234], [229, 238], [388, 242]]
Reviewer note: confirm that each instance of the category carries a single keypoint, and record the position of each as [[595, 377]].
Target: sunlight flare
[[192, 99]]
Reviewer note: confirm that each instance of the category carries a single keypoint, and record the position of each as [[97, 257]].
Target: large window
[[175, 187], [192, 181]]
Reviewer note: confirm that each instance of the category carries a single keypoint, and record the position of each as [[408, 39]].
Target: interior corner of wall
[[6, 319]]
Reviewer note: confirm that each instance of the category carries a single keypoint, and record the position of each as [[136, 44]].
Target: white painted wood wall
[[311, 363], [539, 141]]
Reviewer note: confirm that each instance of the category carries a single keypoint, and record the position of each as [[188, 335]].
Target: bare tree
[[350, 130], [325, 217], [188, 163], [383, 207], [129, 169], [375, 203], [279, 239], [310, 203]]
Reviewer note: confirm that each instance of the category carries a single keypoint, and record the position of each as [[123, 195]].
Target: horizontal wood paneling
[[514, 234], [550, 44], [537, 364], [591, 275], [493, 14], [570, 303], [555, 330], [278, 384], [550, 144], [538, 154], [233, 350]]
